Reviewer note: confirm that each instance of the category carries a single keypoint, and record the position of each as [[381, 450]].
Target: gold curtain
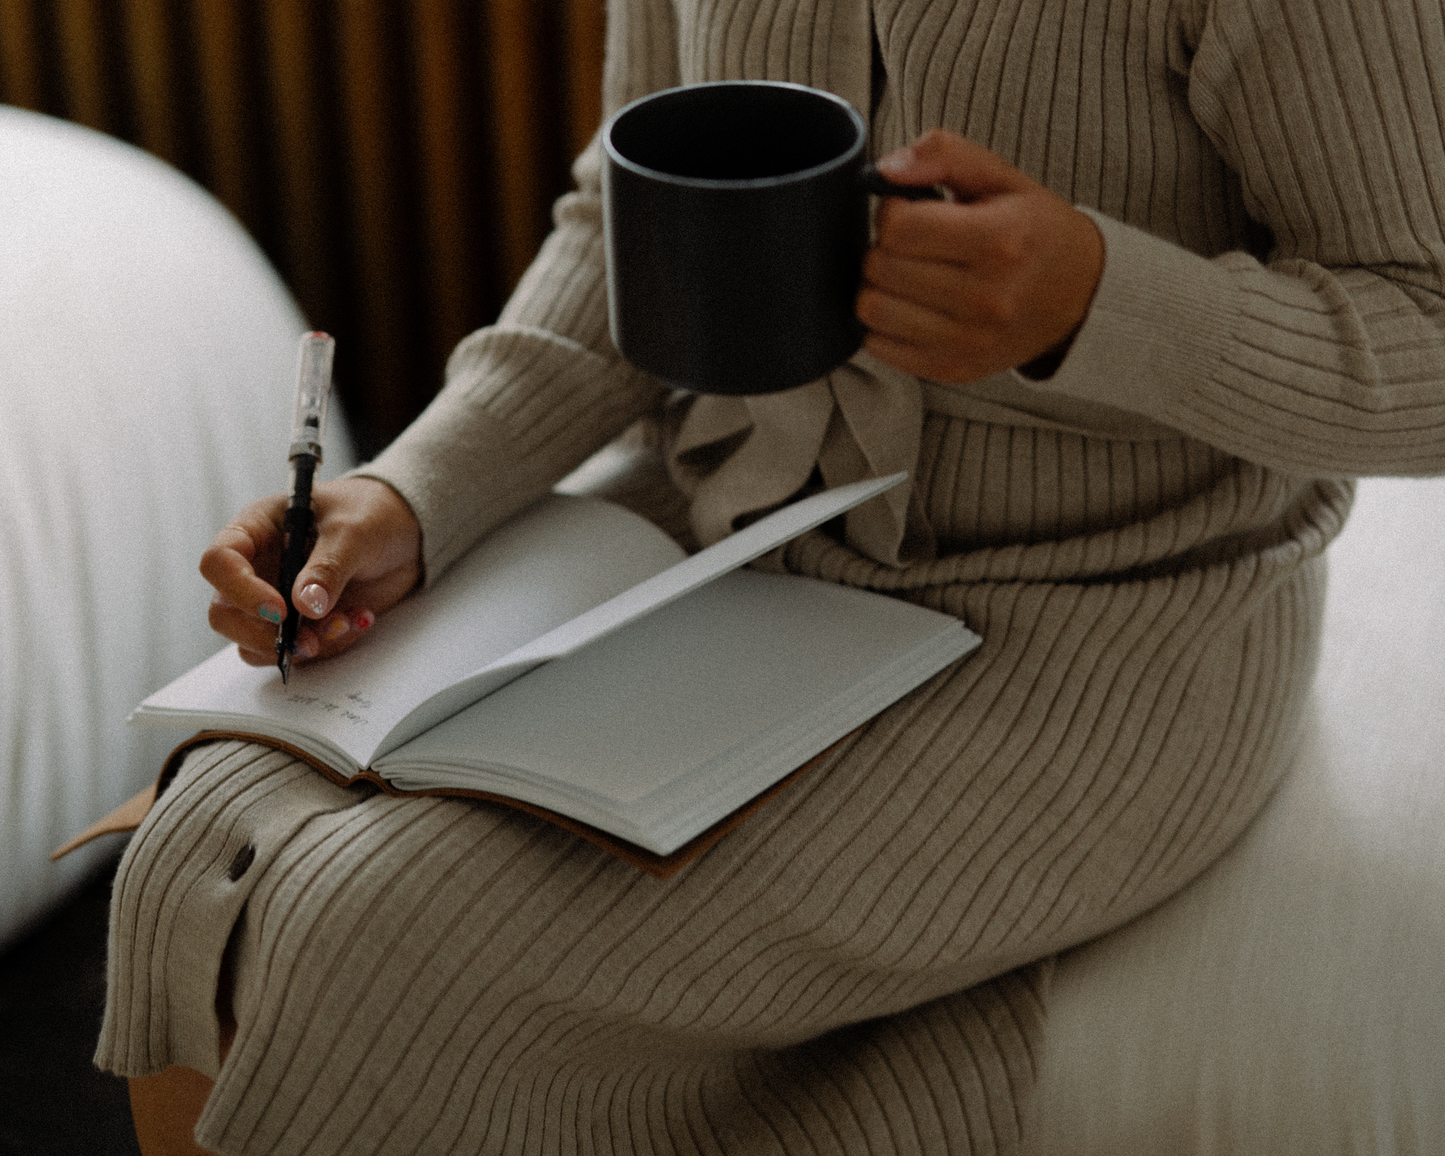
[[396, 159]]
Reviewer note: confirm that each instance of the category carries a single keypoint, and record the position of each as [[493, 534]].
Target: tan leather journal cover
[[128, 816]]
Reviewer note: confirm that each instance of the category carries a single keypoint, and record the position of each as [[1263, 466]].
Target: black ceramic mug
[[736, 219]]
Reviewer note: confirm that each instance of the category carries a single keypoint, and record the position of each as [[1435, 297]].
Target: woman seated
[[1190, 284]]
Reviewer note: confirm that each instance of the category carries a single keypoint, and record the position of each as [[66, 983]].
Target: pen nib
[[283, 664]]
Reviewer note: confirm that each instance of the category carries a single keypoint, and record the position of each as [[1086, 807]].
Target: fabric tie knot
[[736, 456]]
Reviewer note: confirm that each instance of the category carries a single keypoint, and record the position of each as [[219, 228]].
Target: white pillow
[[1291, 1001], [147, 362]]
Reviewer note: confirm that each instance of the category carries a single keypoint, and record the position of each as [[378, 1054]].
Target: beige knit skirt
[[860, 967]]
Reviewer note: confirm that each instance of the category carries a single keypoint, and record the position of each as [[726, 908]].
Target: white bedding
[[147, 360]]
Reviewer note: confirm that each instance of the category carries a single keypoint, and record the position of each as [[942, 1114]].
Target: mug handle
[[880, 186]]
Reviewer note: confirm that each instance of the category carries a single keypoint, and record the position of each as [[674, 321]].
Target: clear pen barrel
[[313, 391]]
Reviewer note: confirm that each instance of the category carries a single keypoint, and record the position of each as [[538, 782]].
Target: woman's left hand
[[998, 278]]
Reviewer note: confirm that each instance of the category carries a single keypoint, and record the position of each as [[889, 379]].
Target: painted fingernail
[[313, 600], [896, 161], [363, 620], [337, 627], [307, 646], [270, 613]]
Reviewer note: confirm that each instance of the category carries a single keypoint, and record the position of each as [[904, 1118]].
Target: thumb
[[313, 594], [368, 546], [334, 560], [944, 158]]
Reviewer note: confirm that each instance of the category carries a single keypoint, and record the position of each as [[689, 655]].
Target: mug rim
[[840, 160]]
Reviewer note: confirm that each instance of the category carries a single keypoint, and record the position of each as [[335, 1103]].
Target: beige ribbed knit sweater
[[862, 966]]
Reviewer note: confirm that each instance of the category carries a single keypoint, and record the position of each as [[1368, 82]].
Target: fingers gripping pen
[[313, 388]]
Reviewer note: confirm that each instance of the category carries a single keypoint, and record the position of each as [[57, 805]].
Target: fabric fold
[[735, 457]]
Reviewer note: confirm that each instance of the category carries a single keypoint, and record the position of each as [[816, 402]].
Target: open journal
[[579, 663]]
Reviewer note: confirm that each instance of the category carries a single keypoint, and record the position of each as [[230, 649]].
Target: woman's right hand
[[367, 558]]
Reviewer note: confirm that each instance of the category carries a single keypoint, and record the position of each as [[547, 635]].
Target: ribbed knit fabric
[[862, 966]]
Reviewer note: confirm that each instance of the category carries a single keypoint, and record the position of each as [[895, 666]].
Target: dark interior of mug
[[735, 131]]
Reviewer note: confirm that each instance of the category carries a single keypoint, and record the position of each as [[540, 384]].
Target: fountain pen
[[313, 389]]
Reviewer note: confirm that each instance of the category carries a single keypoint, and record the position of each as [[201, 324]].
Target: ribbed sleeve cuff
[[1294, 366], [458, 486], [524, 407], [1154, 333]]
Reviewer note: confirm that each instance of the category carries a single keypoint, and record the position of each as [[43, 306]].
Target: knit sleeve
[[528, 399], [1326, 356]]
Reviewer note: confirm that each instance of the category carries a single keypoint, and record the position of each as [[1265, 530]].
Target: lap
[[457, 972]]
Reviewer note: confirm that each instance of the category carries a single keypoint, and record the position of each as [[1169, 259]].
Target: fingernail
[[337, 627], [363, 620], [307, 646], [271, 613], [313, 600], [896, 161]]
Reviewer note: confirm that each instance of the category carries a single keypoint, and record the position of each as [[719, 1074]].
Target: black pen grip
[[298, 526]]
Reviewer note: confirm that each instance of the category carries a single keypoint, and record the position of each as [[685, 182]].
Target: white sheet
[[147, 360]]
